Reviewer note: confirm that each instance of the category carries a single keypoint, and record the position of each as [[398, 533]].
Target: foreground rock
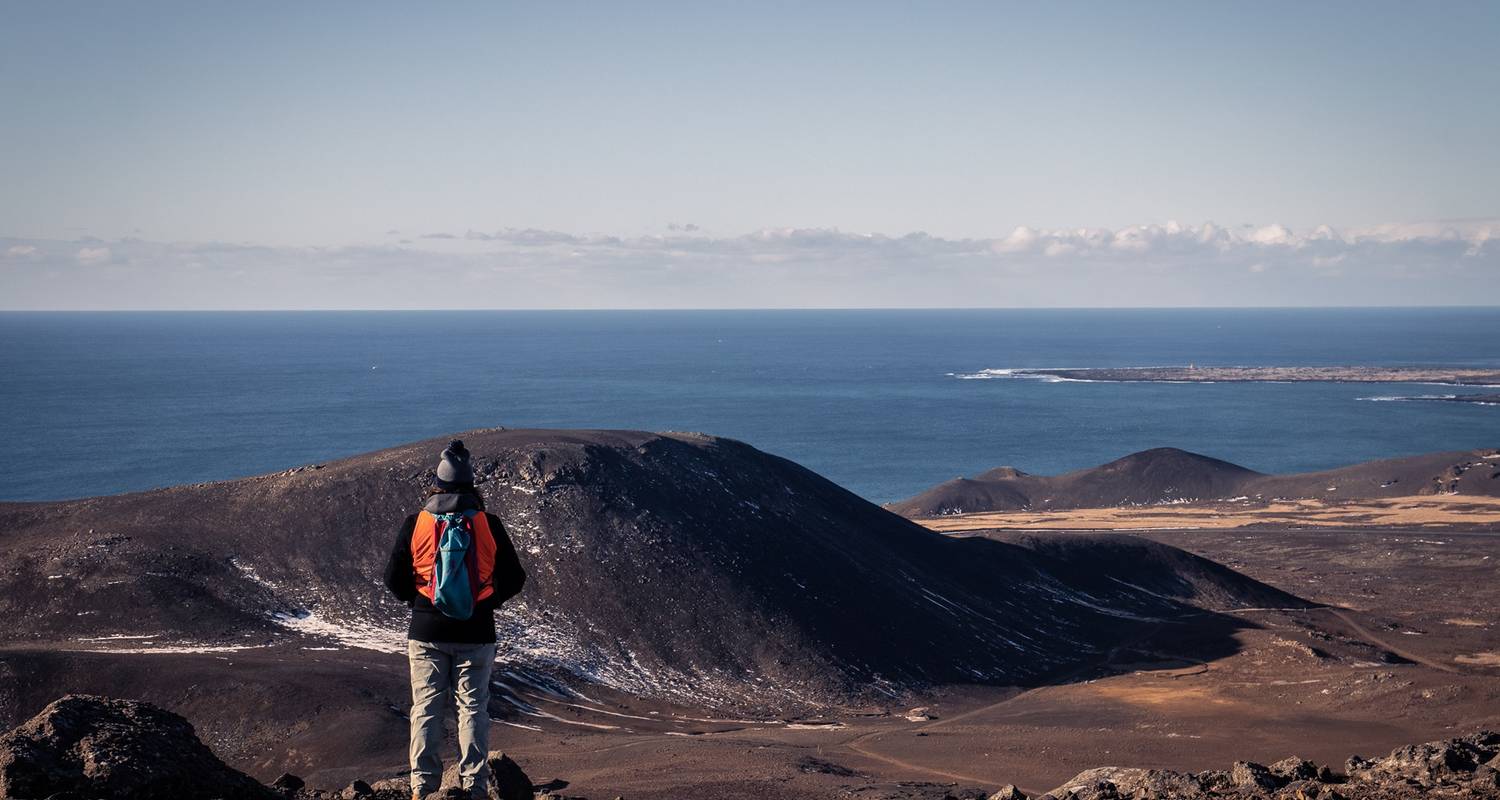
[[1466, 767], [94, 747], [83, 747]]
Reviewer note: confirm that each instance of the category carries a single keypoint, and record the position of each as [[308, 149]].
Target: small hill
[[1169, 475], [1164, 474]]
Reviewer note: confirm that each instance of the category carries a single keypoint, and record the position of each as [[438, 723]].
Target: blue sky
[[214, 154]]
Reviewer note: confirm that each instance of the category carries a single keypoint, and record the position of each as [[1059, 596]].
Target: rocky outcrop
[[83, 747], [1468, 761], [1465, 767], [1112, 782], [507, 780]]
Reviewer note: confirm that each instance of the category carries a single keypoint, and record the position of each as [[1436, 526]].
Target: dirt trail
[[1365, 633], [1373, 639], [857, 746]]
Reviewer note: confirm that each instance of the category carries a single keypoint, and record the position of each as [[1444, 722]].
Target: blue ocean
[[885, 403]]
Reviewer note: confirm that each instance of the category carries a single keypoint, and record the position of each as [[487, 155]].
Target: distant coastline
[[1196, 374]]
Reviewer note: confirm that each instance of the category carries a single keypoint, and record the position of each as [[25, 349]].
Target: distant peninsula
[[1196, 374], [1482, 399]]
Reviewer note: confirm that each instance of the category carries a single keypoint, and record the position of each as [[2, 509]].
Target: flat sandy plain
[[1417, 511], [1407, 650]]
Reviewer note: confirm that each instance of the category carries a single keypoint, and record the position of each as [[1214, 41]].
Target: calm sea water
[[99, 403]]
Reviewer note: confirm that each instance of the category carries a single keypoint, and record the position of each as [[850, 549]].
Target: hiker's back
[[453, 560], [454, 564]]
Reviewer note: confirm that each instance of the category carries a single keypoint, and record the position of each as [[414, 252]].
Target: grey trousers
[[440, 670]]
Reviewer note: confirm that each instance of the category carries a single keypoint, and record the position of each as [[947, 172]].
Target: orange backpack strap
[[424, 553], [484, 557]]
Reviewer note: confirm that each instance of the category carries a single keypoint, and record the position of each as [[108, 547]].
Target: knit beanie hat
[[454, 469]]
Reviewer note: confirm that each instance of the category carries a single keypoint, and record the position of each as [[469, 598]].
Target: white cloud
[[1019, 241], [93, 255], [1273, 234], [1166, 264]]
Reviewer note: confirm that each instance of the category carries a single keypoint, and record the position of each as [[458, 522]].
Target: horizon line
[[648, 309]]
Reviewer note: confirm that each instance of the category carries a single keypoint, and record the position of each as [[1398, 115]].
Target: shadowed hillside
[[1169, 475]]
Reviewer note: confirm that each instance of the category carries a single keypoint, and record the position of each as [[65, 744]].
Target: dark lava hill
[[674, 566], [1169, 475]]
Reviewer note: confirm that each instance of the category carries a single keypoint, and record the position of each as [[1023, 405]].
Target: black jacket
[[427, 623]]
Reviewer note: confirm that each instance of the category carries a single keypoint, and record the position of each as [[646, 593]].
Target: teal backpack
[[453, 574]]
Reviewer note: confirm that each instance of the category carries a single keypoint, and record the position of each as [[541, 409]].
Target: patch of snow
[[362, 635], [1142, 589], [584, 707], [532, 711], [172, 649], [348, 633]]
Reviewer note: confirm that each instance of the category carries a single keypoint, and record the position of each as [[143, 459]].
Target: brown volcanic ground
[[1405, 650], [1169, 475], [687, 594], [1182, 664]]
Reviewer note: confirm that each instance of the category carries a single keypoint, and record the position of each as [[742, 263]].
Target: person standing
[[454, 564]]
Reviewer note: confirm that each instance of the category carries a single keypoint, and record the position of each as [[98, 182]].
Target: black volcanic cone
[[678, 566]]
